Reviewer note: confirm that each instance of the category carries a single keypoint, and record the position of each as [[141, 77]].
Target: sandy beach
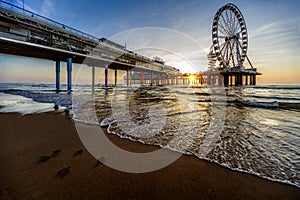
[[24, 139]]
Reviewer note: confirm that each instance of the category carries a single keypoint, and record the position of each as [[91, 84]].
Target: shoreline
[[156, 147], [35, 135]]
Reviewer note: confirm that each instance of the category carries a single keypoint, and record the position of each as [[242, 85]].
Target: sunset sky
[[177, 31]]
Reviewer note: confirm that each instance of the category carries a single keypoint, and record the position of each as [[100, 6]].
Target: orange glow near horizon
[[27, 70]]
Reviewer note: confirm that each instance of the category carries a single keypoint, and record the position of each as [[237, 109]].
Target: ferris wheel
[[229, 37]]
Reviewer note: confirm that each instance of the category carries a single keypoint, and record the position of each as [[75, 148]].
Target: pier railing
[[46, 20]]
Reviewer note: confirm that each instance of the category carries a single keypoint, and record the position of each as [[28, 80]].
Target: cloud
[[263, 28], [47, 8], [275, 42], [176, 48]]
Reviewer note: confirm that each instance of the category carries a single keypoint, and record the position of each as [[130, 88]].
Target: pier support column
[[116, 77], [246, 80], [241, 79], [69, 73], [226, 80], [151, 78], [254, 79], [130, 77], [219, 80], [159, 79], [127, 78], [208, 79], [93, 76], [236, 79], [106, 76], [142, 77], [57, 70]]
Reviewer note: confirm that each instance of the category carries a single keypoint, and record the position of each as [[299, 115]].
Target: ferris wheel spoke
[[239, 58], [231, 53], [240, 45], [238, 55], [226, 24], [232, 21], [224, 45], [234, 24], [223, 50], [237, 27], [228, 53], [222, 31], [228, 21], [225, 32]]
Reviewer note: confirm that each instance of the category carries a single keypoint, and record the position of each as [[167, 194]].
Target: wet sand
[[24, 139]]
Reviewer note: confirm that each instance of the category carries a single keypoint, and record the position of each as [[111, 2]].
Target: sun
[[191, 79]]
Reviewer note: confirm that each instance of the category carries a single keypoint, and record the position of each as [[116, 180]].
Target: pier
[[24, 33], [227, 78]]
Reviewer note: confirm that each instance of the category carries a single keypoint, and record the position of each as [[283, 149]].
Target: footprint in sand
[[56, 152], [63, 172], [78, 152], [47, 157]]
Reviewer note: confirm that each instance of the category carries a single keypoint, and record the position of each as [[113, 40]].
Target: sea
[[253, 129]]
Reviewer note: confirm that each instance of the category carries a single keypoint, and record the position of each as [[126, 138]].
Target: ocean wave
[[12, 103], [61, 99], [276, 87], [274, 104], [262, 104], [272, 97]]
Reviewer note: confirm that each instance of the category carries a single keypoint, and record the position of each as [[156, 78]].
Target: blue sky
[[273, 28]]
